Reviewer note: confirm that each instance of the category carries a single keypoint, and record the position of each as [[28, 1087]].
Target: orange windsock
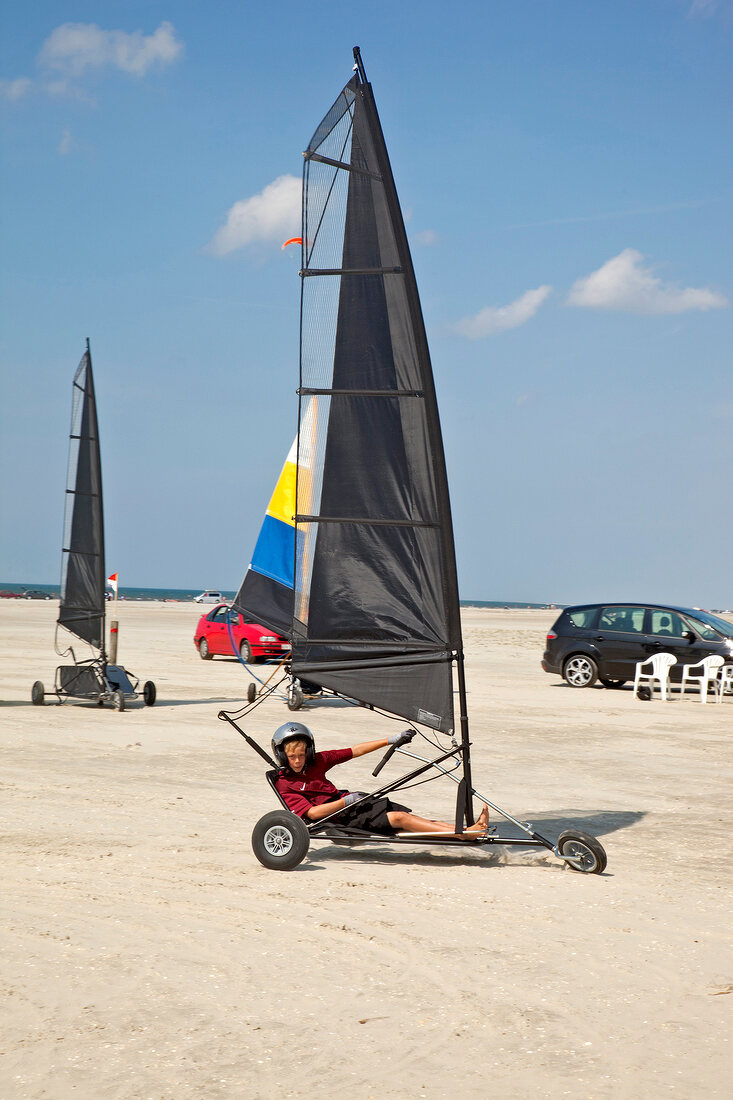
[[293, 240]]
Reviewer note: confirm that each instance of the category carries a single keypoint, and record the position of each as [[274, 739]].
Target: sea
[[185, 595]]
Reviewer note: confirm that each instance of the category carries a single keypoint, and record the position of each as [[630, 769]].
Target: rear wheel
[[251, 693], [118, 700], [149, 693], [204, 652], [245, 651], [280, 841], [582, 852], [37, 694], [580, 671], [612, 683]]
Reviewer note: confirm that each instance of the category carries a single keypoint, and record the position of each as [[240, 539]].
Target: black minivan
[[605, 641]]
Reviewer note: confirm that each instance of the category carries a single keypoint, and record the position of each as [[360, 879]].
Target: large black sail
[[82, 573], [376, 599]]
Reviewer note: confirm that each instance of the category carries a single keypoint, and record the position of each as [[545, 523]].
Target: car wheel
[[580, 671], [204, 652], [612, 683], [245, 651]]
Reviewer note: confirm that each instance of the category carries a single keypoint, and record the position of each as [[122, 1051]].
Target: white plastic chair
[[726, 681], [655, 670], [703, 673]]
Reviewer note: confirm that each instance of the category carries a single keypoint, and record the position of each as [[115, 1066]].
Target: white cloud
[[15, 89], [66, 144], [624, 283], [73, 48], [703, 8], [271, 215], [492, 319], [426, 236]]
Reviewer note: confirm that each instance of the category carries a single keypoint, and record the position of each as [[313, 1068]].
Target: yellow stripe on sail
[[282, 502]]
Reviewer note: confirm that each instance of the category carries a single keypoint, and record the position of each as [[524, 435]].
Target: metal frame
[[328, 828]]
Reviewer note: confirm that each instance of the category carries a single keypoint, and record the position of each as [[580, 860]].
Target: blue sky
[[565, 173]]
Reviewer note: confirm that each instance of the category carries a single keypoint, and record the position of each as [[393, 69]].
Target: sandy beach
[[146, 953]]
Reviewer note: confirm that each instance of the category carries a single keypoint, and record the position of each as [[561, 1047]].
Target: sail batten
[[375, 610]]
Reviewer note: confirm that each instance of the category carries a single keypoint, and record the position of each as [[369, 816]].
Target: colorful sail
[[83, 574], [266, 593], [376, 613]]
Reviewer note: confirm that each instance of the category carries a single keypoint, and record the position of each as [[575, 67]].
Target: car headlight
[[267, 638]]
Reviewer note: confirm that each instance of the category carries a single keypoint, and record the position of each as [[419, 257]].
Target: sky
[[565, 173]]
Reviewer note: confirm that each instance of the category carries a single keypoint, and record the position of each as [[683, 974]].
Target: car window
[[233, 617], [707, 632], [626, 620], [667, 624], [582, 617], [220, 615]]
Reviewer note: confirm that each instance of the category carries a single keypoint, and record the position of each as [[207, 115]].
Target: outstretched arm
[[394, 739]]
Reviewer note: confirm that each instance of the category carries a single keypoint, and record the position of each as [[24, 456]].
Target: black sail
[[83, 573], [376, 613]]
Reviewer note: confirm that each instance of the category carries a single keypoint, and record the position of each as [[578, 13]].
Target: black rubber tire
[[280, 840], [295, 697], [149, 693], [118, 700], [37, 694], [204, 652], [245, 651], [612, 683], [251, 693], [589, 855], [580, 671]]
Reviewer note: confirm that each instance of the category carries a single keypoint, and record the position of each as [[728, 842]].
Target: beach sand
[[146, 953]]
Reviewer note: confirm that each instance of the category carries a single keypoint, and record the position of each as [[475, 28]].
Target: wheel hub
[[278, 840]]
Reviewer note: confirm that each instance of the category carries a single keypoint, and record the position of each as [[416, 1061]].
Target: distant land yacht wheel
[[149, 693], [37, 694], [251, 693], [295, 697]]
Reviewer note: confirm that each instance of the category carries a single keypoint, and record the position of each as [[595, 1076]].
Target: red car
[[254, 642]]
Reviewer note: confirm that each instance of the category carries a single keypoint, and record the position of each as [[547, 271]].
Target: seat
[[655, 670], [726, 681], [704, 673]]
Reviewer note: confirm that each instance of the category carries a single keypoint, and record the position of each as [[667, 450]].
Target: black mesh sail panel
[[376, 600], [82, 574]]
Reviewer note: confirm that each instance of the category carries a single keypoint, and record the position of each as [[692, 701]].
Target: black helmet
[[293, 731]]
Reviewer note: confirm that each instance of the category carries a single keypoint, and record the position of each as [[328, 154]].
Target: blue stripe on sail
[[273, 556]]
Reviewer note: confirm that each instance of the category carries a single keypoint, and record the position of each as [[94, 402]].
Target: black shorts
[[371, 816]]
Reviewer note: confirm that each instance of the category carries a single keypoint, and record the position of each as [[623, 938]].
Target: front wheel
[[149, 693], [251, 693], [582, 852], [204, 652], [245, 651], [295, 697], [37, 694], [580, 671], [280, 841]]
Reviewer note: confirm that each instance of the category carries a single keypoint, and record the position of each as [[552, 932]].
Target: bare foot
[[482, 822]]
